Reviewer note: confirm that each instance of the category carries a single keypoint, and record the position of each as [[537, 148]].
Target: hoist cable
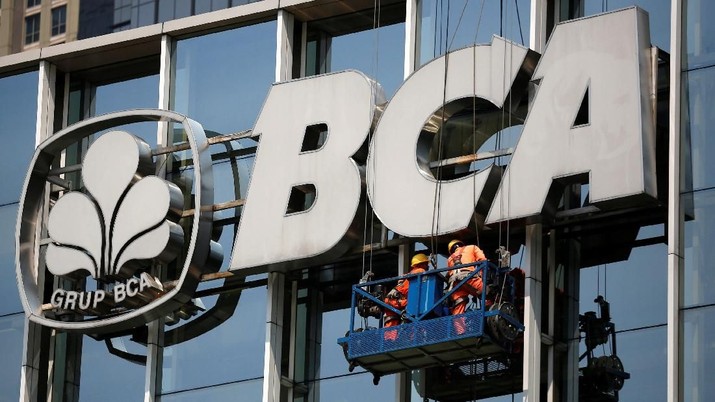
[[518, 20], [474, 117], [440, 139]]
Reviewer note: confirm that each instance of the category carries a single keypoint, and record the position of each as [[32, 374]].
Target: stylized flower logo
[[127, 216]]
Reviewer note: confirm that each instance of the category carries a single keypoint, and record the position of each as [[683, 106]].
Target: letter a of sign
[[608, 59], [267, 234]]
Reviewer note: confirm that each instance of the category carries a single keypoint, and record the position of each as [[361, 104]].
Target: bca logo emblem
[[103, 241]]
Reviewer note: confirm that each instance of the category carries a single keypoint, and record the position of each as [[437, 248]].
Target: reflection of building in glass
[[272, 335], [35, 23]]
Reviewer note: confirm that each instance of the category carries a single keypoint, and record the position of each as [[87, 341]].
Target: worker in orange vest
[[397, 297], [463, 254]]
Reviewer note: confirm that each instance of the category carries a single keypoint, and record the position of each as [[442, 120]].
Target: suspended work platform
[[429, 336]]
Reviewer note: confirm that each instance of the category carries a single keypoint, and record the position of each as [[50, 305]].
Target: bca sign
[[606, 58], [104, 239]]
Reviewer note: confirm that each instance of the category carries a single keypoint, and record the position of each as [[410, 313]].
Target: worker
[[463, 254], [397, 297]]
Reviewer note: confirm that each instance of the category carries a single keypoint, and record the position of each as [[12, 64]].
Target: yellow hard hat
[[453, 243], [419, 259]]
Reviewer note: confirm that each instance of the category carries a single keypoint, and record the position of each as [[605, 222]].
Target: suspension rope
[[474, 117], [518, 20], [440, 139]]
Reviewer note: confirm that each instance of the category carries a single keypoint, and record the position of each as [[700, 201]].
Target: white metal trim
[[675, 223]]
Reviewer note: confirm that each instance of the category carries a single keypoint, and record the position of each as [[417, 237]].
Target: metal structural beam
[[675, 220], [274, 338], [532, 313]]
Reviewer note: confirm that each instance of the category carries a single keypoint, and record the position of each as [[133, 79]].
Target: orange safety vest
[[465, 255], [403, 286]]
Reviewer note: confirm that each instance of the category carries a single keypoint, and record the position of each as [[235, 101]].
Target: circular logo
[[91, 250]]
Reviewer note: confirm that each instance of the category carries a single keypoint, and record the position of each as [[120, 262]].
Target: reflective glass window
[[18, 112], [244, 391], [59, 19], [100, 370], [699, 34], [204, 6], [378, 53], [32, 29], [658, 11], [356, 388], [9, 298], [332, 360], [698, 354], [699, 275], [698, 142], [636, 288], [136, 93], [643, 354], [230, 352], [12, 329], [222, 79], [230, 183], [447, 25]]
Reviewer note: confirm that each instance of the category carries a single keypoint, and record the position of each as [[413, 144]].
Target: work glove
[[393, 294]]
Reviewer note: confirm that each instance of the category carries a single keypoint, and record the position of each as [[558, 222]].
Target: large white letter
[[402, 189], [607, 60], [345, 103]]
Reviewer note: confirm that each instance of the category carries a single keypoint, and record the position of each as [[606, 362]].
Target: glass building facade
[[271, 335]]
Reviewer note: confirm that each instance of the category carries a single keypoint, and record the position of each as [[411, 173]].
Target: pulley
[[500, 328]]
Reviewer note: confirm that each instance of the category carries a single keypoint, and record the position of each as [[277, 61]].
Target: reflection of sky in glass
[[233, 350], [11, 335], [132, 94], [357, 51], [18, 111], [453, 24], [10, 300], [357, 388], [698, 141], [699, 253], [222, 79], [643, 354], [332, 360], [248, 390], [635, 288], [98, 363], [699, 354]]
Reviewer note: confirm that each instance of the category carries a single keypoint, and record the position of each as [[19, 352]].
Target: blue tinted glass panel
[[698, 142], [636, 288], [230, 352], [699, 34], [241, 391], [99, 367], [332, 360], [658, 11], [356, 388], [9, 297], [699, 274], [357, 51], [699, 354], [132, 94], [18, 111], [644, 355], [231, 179], [11, 335], [449, 25], [222, 79]]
